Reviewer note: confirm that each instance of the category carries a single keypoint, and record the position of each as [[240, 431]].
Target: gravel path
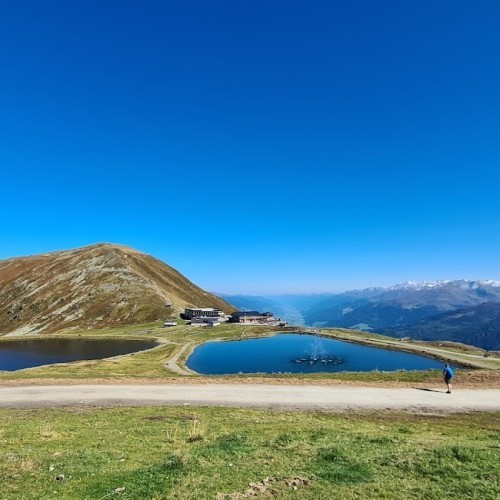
[[172, 364], [252, 395]]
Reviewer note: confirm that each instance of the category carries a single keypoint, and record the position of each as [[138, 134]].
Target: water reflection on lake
[[293, 353], [18, 354]]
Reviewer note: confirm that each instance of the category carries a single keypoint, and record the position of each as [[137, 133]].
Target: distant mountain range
[[461, 310], [476, 325], [97, 286]]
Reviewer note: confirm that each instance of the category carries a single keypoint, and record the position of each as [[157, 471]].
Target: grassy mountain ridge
[[96, 286]]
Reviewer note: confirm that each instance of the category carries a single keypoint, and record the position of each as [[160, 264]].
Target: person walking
[[448, 374]]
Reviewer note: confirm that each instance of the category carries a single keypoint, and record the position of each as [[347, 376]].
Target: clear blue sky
[[264, 146]]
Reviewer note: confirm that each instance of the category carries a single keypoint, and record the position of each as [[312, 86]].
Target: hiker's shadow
[[428, 390]]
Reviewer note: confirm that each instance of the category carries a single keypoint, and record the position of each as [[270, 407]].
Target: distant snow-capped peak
[[494, 283], [464, 284], [418, 285]]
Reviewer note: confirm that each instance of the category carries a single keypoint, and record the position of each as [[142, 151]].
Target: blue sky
[[257, 147]]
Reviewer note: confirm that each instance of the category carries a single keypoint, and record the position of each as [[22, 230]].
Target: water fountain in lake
[[317, 355]]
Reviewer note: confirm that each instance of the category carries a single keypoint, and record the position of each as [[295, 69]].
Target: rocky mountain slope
[[97, 286]]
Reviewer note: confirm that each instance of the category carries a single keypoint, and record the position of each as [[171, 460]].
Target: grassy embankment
[[150, 365], [201, 453]]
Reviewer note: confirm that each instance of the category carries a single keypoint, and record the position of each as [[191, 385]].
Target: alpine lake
[[28, 353], [300, 353]]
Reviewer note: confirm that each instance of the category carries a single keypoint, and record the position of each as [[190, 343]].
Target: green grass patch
[[198, 453]]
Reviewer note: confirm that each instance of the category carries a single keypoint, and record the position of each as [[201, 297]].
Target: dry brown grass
[[92, 287]]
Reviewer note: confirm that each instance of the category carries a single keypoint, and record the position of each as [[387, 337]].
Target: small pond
[[19, 354], [293, 353]]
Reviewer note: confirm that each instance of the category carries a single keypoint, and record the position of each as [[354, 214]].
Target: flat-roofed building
[[254, 317], [201, 312]]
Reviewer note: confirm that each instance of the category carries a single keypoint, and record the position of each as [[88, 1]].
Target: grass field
[[221, 453], [198, 453]]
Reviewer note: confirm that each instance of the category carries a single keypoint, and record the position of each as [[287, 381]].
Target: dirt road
[[252, 395]]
